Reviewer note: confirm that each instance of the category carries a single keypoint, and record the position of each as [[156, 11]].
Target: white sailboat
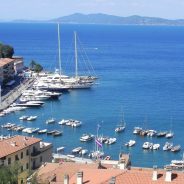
[[170, 134], [121, 126], [51, 120]]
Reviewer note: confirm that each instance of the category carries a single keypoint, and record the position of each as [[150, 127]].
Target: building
[[18, 64], [29, 152], [6, 69], [108, 172]]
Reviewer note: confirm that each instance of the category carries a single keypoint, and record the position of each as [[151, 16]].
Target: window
[[9, 161], [40, 158], [22, 182], [27, 152], [21, 155], [22, 168], [27, 166], [16, 157]]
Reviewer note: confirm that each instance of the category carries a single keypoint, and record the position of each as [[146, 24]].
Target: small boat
[[60, 149], [23, 117], [63, 122], [156, 146], [169, 135], [96, 154], [76, 123], [86, 137], [42, 131], [51, 132], [50, 121], [121, 126], [31, 118], [167, 146], [147, 145], [151, 133], [57, 133], [83, 152], [137, 130], [176, 148], [161, 134], [110, 141], [107, 157], [119, 129], [70, 156], [77, 150], [130, 143], [32, 130]]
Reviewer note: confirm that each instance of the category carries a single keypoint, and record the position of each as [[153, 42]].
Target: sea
[[141, 75]]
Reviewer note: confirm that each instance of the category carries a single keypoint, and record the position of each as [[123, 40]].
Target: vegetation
[[35, 67], [6, 51], [9, 174]]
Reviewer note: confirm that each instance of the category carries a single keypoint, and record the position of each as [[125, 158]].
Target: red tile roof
[[16, 143], [4, 61]]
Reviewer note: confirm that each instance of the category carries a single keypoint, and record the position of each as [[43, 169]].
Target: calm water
[[141, 69]]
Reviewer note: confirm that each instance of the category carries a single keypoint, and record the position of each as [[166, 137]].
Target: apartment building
[[29, 152], [18, 64], [6, 69]]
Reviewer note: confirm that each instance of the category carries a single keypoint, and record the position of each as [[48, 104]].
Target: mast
[[59, 50], [76, 56]]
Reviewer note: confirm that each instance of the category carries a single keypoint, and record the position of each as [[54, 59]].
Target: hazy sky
[[48, 9]]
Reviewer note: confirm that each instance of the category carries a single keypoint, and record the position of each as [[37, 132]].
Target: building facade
[[18, 64], [29, 152], [6, 69]]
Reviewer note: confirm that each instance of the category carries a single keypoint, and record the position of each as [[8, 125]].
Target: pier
[[14, 94]]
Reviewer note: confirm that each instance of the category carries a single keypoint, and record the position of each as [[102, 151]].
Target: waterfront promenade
[[10, 97]]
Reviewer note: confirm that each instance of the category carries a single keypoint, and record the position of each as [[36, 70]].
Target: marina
[[138, 89]]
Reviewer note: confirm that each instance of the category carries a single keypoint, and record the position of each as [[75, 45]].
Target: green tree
[[38, 68], [32, 65], [6, 51]]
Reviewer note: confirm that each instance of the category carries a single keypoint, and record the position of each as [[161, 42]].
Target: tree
[[35, 66], [32, 65], [6, 51]]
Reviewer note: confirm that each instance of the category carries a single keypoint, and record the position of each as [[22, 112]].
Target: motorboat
[[156, 146], [119, 129], [130, 143], [110, 141], [60, 149], [161, 134], [86, 137], [63, 122], [169, 135], [32, 130], [76, 123], [176, 148], [51, 132], [96, 154], [167, 146], [137, 130], [83, 152], [76, 150], [31, 118], [50, 121], [23, 117], [57, 133], [147, 145], [151, 133], [42, 131]]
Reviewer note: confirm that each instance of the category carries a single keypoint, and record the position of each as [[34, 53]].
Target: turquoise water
[[140, 68]]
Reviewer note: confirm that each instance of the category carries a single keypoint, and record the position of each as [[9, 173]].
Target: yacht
[[110, 141], [50, 121], [32, 130], [169, 135], [167, 146], [176, 148], [57, 133], [156, 146], [63, 122], [23, 117], [130, 143], [31, 118], [147, 145], [86, 137], [76, 150], [42, 131], [151, 133], [137, 130], [76, 123]]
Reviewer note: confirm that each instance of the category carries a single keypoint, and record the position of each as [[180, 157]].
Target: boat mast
[[59, 50], [76, 56]]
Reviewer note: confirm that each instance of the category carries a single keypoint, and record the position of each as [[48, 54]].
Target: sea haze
[[140, 69]]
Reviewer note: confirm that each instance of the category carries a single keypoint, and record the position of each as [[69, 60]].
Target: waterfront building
[[28, 152], [18, 64], [6, 69]]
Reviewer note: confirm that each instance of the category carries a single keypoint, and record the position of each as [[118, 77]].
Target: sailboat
[[51, 120], [121, 126], [170, 134]]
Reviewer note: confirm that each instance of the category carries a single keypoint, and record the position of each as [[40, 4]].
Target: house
[[18, 64], [29, 152]]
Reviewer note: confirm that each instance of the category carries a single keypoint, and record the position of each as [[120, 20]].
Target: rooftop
[[4, 61], [16, 143], [93, 175]]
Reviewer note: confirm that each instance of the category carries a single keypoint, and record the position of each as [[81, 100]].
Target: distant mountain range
[[79, 18]]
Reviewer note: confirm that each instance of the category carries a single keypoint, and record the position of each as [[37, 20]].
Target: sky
[[48, 9]]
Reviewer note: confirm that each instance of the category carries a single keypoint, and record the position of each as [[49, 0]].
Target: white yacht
[[76, 123], [63, 122], [130, 143], [147, 145], [77, 150], [86, 137], [156, 146], [110, 141], [42, 131], [137, 130], [169, 135], [50, 121], [167, 146], [31, 118], [23, 117]]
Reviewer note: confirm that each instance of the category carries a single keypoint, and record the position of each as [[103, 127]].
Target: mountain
[[78, 18], [100, 18]]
